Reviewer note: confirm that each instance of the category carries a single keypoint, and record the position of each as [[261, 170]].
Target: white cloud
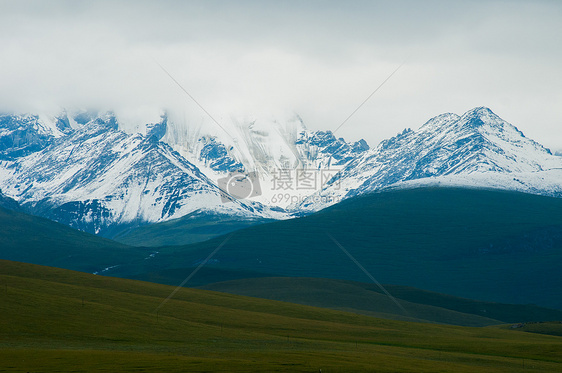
[[319, 59]]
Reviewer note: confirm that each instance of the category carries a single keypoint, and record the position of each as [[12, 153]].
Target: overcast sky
[[319, 59]]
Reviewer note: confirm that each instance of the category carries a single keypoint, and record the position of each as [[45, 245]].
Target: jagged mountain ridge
[[98, 177], [83, 170], [266, 147], [476, 149], [21, 135]]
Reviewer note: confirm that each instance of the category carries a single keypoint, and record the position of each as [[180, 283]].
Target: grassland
[[59, 320], [551, 328], [369, 299]]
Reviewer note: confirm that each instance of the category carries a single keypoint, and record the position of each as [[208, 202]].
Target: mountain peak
[[480, 110], [440, 121], [480, 116], [476, 117], [476, 149]]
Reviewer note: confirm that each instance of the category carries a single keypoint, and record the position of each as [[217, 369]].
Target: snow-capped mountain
[[94, 177], [277, 152], [21, 135], [84, 170], [477, 149], [89, 171]]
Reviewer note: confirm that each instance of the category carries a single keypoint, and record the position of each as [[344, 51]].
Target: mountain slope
[[37, 240], [82, 169], [272, 148], [194, 227], [8, 203], [370, 300], [476, 149], [21, 135], [99, 179], [479, 244]]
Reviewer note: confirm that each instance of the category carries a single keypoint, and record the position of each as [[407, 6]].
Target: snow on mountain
[[90, 171], [97, 177], [322, 150], [94, 173], [21, 135], [478, 149], [275, 151]]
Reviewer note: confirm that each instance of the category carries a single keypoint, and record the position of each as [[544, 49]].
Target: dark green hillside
[[8, 203], [480, 244], [194, 227], [550, 328], [56, 320], [32, 239], [369, 299]]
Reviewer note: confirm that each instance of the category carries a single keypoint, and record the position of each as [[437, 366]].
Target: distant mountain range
[[87, 170], [82, 169], [477, 149], [90, 175]]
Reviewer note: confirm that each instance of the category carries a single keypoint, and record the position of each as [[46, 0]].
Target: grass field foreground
[[59, 320]]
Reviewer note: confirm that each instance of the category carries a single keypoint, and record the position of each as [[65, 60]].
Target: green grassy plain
[[55, 320], [551, 327]]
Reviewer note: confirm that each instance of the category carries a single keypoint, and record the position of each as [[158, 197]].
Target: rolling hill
[[480, 244], [194, 227], [369, 299], [33, 239], [487, 245], [60, 320]]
